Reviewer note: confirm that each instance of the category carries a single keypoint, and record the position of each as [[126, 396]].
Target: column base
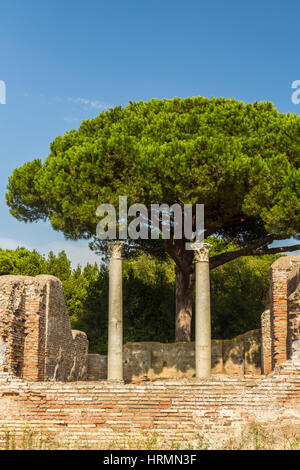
[[115, 381]]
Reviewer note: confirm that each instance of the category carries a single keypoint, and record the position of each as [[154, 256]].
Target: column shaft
[[115, 320], [202, 321]]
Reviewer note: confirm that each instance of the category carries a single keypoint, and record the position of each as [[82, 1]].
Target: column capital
[[201, 252], [115, 248]]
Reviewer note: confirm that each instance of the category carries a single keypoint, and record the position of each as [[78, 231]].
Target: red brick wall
[[280, 321], [279, 317], [178, 410], [36, 340]]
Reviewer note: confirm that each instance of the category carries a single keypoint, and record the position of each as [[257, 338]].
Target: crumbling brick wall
[[281, 319], [36, 340], [178, 411]]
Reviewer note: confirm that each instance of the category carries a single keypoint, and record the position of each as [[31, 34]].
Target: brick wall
[[37, 344], [177, 410], [36, 340], [281, 319]]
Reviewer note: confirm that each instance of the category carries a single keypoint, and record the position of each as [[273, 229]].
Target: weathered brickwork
[[38, 345], [281, 319], [36, 340], [177, 410], [239, 356]]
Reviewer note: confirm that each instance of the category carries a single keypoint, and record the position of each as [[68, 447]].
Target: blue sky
[[64, 61]]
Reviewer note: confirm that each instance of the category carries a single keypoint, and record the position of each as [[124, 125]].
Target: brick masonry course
[[36, 340], [281, 319], [39, 354], [177, 410]]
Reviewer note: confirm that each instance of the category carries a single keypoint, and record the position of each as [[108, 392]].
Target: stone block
[[233, 356], [252, 352]]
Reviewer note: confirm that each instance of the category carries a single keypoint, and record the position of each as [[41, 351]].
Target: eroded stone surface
[[36, 340], [2, 353], [296, 354], [178, 410], [154, 360]]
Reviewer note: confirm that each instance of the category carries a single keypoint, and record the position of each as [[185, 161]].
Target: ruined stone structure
[[238, 356], [281, 319], [38, 345], [254, 352], [36, 340], [178, 411]]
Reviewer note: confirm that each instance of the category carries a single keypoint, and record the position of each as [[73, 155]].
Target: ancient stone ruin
[[37, 347], [253, 353], [281, 319], [36, 340], [37, 343], [153, 360]]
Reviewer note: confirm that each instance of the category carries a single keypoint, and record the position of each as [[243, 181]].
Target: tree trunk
[[184, 305]]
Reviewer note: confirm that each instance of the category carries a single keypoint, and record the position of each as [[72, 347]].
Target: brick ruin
[[281, 319], [36, 340], [37, 343], [253, 353], [37, 347], [178, 411]]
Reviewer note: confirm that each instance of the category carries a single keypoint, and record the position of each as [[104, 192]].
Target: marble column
[[115, 313], [202, 311]]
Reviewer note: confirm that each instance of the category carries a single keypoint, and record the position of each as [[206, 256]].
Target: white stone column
[[115, 313], [202, 320]]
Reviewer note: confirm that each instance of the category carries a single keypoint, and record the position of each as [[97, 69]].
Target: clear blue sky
[[64, 61]]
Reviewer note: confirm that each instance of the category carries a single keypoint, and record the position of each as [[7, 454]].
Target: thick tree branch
[[252, 250], [211, 229], [279, 249]]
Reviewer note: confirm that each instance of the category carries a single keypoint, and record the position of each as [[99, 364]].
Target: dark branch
[[252, 250]]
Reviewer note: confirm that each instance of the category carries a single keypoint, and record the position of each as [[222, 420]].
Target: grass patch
[[252, 437]]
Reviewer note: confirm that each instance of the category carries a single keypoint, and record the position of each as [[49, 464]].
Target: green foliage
[[148, 294], [59, 266], [149, 303], [87, 300], [241, 161], [21, 261], [79, 289], [31, 263], [238, 293], [149, 299]]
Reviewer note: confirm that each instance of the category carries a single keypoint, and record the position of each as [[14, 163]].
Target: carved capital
[[115, 249], [201, 250]]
